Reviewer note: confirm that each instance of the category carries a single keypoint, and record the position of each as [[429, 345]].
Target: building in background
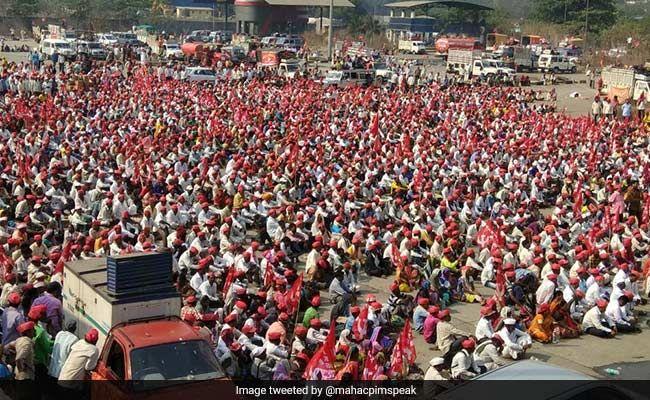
[[261, 17], [409, 20]]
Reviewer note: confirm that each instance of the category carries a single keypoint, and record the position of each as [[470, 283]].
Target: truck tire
[[574, 70], [556, 70]]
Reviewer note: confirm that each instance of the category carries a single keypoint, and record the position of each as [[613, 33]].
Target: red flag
[[293, 296], [488, 234], [370, 368], [374, 127], [321, 365], [268, 275], [6, 263], [360, 325], [404, 352], [229, 278], [577, 201]]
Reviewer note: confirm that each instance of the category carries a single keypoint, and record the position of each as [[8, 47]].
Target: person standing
[[626, 110], [62, 347], [81, 361], [640, 106], [12, 318], [608, 111], [596, 108], [24, 348]]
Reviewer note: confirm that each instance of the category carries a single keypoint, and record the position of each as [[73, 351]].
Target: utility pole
[[586, 24], [329, 33], [565, 8]]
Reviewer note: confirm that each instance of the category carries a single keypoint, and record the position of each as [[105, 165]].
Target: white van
[[555, 63], [349, 77], [59, 46]]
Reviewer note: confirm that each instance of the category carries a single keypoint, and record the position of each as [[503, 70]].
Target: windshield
[[94, 46], [292, 67], [129, 36], [109, 37], [163, 364], [62, 45], [173, 46]]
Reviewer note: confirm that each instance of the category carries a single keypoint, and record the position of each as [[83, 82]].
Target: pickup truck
[[146, 350], [412, 46]]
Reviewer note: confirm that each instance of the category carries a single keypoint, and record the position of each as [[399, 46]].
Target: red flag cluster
[[321, 365], [403, 353]]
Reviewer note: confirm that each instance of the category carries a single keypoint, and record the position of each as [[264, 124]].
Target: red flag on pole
[[404, 352], [360, 325], [374, 128], [577, 201], [293, 296], [321, 365], [268, 275]]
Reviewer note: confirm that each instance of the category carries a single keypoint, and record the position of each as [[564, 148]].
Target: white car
[[172, 51], [542, 381], [199, 74], [107, 39], [58, 46], [93, 49]]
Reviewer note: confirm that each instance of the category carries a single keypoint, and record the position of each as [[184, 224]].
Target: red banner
[[321, 365], [488, 234]]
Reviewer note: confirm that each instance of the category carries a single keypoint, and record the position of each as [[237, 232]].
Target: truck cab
[[412, 46], [490, 67], [140, 358], [172, 51], [289, 69]]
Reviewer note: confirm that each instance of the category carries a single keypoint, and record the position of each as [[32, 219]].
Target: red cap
[[274, 335], [13, 299], [468, 344], [601, 303], [92, 336], [25, 326]]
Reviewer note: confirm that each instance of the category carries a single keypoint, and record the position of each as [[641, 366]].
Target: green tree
[[573, 13], [24, 8]]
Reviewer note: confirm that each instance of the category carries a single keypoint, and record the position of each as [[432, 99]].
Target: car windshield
[[173, 363], [109, 37], [292, 67], [173, 46], [94, 46], [62, 45], [334, 75]]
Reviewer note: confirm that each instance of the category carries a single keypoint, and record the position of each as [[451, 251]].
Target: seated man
[[515, 341], [597, 323]]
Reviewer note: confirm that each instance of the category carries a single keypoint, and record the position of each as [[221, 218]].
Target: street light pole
[[586, 24], [565, 9], [329, 33]]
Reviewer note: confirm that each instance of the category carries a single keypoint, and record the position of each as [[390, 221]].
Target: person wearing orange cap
[[542, 324], [23, 347], [545, 291], [595, 291], [83, 358], [485, 326], [597, 323], [463, 364], [617, 311], [446, 333], [12, 317], [420, 314], [316, 334], [488, 353], [312, 311]]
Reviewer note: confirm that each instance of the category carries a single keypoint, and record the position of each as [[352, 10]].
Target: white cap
[[436, 361], [509, 321]]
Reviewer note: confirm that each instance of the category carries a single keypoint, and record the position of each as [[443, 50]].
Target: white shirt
[[197, 280], [82, 359], [545, 291], [463, 365], [483, 329], [207, 289], [592, 320], [60, 351], [593, 294]]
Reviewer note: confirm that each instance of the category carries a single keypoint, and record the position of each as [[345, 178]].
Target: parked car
[[59, 46], [107, 39], [349, 77], [92, 49], [172, 51], [556, 63], [199, 74], [558, 384]]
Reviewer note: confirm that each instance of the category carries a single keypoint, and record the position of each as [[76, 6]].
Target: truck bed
[[93, 272]]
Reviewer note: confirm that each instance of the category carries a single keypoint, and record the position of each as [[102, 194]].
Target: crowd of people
[[275, 196]]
